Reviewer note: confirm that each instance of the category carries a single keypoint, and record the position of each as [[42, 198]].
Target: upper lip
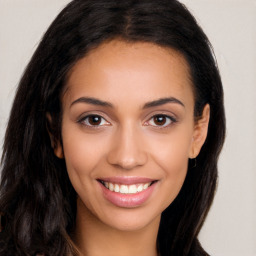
[[127, 180]]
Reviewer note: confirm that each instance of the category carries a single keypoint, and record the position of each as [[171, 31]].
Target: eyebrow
[[92, 101], [155, 103], [162, 101]]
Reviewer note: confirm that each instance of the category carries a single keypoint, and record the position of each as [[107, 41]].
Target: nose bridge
[[127, 149]]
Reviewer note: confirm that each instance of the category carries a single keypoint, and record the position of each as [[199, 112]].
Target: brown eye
[[94, 120], [161, 121]]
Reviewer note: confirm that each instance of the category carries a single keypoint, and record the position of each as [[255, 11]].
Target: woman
[[114, 135]]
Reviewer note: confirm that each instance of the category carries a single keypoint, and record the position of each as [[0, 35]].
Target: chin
[[128, 222]]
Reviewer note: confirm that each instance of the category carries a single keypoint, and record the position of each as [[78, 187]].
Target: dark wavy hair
[[37, 200]]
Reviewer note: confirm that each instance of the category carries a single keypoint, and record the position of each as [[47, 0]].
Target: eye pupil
[[159, 120], [94, 120]]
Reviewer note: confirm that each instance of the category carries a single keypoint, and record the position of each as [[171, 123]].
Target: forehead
[[125, 69]]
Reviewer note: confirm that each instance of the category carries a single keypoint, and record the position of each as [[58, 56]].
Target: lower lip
[[128, 200]]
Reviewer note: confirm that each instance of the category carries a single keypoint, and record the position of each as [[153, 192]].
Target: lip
[[127, 200]]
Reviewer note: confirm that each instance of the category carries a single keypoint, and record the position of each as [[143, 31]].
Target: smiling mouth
[[126, 189]]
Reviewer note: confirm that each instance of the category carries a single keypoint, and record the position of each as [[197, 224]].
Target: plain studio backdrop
[[230, 229]]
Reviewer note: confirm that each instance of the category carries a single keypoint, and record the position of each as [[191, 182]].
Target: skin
[[128, 141]]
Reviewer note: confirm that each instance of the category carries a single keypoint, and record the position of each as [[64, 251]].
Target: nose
[[128, 150]]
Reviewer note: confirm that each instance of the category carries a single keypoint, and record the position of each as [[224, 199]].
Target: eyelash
[[169, 119], [85, 121]]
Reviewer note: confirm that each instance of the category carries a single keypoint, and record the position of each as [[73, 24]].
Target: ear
[[200, 132], [55, 143]]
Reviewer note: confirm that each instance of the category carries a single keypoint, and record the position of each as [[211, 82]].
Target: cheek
[[174, 163], [172, 152], [172, 158], [82, 153]]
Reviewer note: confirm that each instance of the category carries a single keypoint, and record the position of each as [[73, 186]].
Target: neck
[[94, 238]]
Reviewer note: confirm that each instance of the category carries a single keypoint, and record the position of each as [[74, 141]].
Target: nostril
[[127, 160], [127, 151]]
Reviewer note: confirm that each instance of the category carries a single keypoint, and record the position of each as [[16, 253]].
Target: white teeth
[[146, 186], [140, 188], [111, 186], [132, 189], [126, 189], [116, 188]]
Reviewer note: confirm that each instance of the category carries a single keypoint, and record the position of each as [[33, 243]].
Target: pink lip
[[128, 200]]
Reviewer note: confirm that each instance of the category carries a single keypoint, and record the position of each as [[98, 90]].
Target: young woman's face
[[127, 132]]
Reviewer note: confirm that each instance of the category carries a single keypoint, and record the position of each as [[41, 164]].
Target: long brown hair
[[37, 200]]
